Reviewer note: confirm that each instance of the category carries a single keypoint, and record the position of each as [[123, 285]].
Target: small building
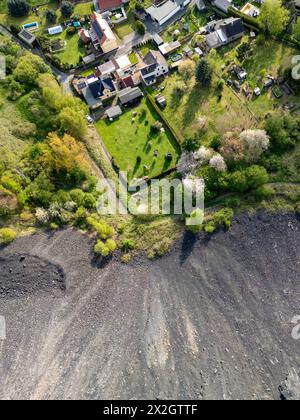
[[130, 95], [55, 30], [155, 66], [27, 37], [113, 112], [240, 73], [187, 51], [84, 36], [250, 10], [89, 58], [106, 68], [199, 52], [161, 100], [169, 47]]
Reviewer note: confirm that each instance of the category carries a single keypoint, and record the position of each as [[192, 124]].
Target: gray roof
[[27, 36], [158, 40], [90, 99], [222, 4], [160, 12], [213, 40], [114, 111], [129, 94]]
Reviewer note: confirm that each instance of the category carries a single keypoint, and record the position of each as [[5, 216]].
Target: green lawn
[[126, 27], [183, 112], [195, 20], [126, 140], [80, 9], [73, 50]]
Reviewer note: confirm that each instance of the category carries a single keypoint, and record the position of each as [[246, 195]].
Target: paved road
[[63, 78]]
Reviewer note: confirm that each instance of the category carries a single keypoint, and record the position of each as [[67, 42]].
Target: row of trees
[[20, 8]]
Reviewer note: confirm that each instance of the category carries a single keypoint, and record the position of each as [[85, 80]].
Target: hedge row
[[176, 136]]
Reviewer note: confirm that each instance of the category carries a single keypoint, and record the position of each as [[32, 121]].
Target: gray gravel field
[[210, 320]]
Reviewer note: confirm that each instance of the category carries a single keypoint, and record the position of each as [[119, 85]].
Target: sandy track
[[210, 320]]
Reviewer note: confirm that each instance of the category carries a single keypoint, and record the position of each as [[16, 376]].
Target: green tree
[[50, 16], [204, 73], [18, 8], [66, 9], [72, 122], [140, 27], [7, 235], [296, 30], [256, 176], [274, 17]]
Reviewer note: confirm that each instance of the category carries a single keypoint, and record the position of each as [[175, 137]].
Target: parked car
[[89, 119]]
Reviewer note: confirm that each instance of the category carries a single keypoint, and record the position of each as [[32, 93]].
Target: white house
[[155, 66]]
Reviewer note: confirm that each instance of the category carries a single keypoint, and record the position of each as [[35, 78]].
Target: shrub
[[264, 192], [127, 245], [7, 236], [66, 9], [101, 249], [18, 8]]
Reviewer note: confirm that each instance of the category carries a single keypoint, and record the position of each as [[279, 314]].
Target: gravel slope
[[210, 320]]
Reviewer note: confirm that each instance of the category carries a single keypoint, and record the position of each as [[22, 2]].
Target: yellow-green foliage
[[7, 236], [102, 228]]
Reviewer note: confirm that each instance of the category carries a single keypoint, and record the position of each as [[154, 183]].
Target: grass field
[[73, 50], [268, 57], [184, 111], [126, 27], [15, 132], [126, 139]]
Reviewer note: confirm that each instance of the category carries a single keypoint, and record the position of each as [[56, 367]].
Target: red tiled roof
[[127, 82], [109, 4]]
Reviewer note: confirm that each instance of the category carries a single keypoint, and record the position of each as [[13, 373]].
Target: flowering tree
[[256, 142], [218, 163]]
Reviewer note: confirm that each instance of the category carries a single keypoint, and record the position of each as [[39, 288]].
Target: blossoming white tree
[[256, 142], [218, 163]]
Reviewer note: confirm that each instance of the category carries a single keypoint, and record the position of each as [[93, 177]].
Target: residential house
[[224, 31], [27, 37], [106, 68], [97, 90], [155, 66], [84, 36], [104, 5], [223, 5], [102, 35], [130, 96]]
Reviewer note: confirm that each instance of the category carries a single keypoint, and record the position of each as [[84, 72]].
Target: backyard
[[73, 50], [186, 110], [133, 143]]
